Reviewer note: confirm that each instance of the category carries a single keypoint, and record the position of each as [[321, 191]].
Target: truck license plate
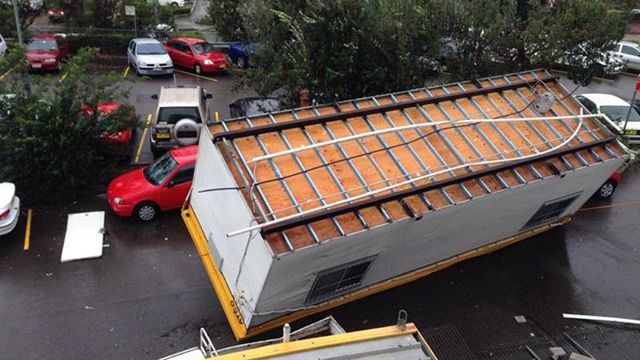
[[631, 132]]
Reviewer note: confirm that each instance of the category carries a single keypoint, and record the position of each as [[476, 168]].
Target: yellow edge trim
[[281, 349], [239, 328], [217, 279]]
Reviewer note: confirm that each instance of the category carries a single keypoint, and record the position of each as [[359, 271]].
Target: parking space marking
[[196, 75], [217, 117], [64, 76], [610, 81], [126, 72], [143, 138], [8, 72], [27, 232], [628, 74]]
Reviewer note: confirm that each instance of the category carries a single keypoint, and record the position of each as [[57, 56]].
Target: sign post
[[635, 91], [130, 10]]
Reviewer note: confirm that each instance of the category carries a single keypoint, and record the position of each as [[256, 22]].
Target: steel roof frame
[[261, 129], [343, 209]]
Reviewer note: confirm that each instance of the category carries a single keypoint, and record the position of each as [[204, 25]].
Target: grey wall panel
[[220, 212], [411, 244]]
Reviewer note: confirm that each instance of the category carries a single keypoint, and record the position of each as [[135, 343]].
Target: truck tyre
[[607, 189], [146, 211], [186, 132]]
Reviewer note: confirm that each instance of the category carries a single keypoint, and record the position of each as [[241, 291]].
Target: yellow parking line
[[125, 72], [196, 75], [27, 232], [8, 72], [64, 76], [629, 73], [217, 117], [143, 138]]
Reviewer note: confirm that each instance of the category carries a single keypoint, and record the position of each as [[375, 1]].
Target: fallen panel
[[84, 236]]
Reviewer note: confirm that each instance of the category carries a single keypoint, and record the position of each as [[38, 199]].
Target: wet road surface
[[148, 295]]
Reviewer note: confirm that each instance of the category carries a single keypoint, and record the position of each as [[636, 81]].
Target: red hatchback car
[[122, 136], [46, 51], [161, 186], [196, 54]]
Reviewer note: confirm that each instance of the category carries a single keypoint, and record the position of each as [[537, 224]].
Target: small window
[[551, 210], [337, 280], [630, 50], [171, 115], [184, 175]]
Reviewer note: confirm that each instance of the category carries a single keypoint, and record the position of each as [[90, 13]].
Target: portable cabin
[[299, 211]]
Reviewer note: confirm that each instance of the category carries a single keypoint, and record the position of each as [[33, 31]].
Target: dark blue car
[[241, 54]]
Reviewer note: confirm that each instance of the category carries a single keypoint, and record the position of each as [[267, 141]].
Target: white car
[[628, 52], [3, 46], [616, 110], [175, 3], [605, 64], [149, 57], [9, 208]]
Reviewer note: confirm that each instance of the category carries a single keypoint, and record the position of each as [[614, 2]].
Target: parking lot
[[148, 295]]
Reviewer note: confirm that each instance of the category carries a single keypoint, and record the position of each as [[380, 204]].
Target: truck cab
[[179, 116]]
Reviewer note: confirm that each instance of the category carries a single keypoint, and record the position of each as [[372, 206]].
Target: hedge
[[113, 44]]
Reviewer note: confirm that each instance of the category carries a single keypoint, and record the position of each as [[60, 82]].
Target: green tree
[[225, 16], [498, 36], [51, 145], [341, 49]]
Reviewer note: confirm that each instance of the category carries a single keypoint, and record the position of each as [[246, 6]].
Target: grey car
[[628, 52], [149, 57]]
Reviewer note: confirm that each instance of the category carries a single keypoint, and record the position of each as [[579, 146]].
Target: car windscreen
[[45, 45], [619, 112], [160, 169], [150, 49], [171, 115], [203, 48]]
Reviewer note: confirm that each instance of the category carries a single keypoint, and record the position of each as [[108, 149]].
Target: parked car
[[179, 115], [9, 208], [3, 46], [603, 65], [253, 106], [123, 136], [628, 52], [55, 14], [241, 54], [175, 3], [196, 54], [616, 110], [149, 57], [47, 51], [161, 186], [609, 187]]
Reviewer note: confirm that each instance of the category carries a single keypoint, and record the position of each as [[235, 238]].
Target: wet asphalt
[[148, 295]]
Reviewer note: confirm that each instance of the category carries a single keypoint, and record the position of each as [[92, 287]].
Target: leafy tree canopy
[[51, 145], [352, 48]]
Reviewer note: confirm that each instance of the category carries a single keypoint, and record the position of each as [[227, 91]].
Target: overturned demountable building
[[302, 210]]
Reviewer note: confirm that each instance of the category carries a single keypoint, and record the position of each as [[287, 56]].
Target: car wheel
[[175, 4], [242, 63], [607, 189], [198, 69], [146, 211]]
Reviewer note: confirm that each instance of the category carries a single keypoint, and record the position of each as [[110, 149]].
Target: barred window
[[551, 210], [337, 280]]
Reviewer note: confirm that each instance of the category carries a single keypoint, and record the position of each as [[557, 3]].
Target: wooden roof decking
[[286, 185]]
